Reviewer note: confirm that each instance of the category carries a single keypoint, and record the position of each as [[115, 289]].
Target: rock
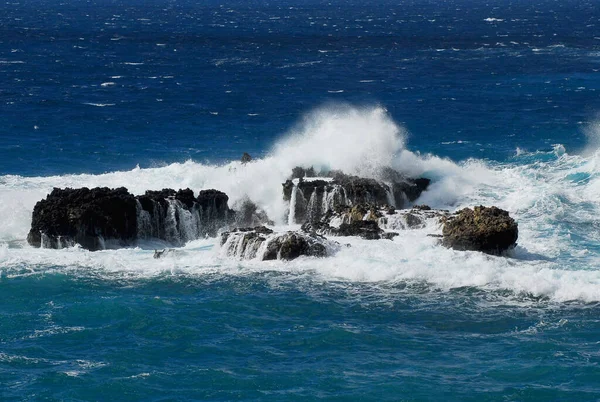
[[247, 214], [300, 173], [291, 245], [360, 220], [90, 218], [410, 188], [416, 218], [246, 158], [178, 216], [244, 243], [101, 217], [262, 244], [368, 230], [213, 211], [487, 229], [312, 197]]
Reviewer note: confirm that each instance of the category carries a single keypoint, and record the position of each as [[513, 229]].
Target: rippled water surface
[[497, 103]]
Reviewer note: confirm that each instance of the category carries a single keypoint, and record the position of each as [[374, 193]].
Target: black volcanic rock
[[311, 198], [487, 229], [87, 217], [369, 230], [248, 214], [291, 245], [214, 211], [246, 158], [245, 243], [101, 217]]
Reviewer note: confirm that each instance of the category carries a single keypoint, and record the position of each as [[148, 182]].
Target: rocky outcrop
[[248, 214], [101, 218], [311, 196], [368, 230], [418, 217], [372, 222], [246, 158], [178, 217], [262, 244], [487, 229], [89, 217]]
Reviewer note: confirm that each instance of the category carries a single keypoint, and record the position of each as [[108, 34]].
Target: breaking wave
[[552, 194]]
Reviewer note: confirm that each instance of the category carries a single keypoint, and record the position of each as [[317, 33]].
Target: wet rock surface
[[487, 229], [262, 244], [101, 217], [311, 195], [88, 217]]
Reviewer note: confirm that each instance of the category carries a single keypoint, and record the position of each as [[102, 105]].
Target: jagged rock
[[356, 221], [291, 245], [372, 222], [369, 230], [101, 217], [261, 243], [89, 217], [178, 216], [246, 158], [311, 197], [487, 229], [244, 243], [213, 211], [300, 173], [247, 214]]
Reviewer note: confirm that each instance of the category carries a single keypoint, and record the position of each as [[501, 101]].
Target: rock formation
[[101, 218], [487, 229], [312, 197], [262, 244], [246, 158], [86, 217]]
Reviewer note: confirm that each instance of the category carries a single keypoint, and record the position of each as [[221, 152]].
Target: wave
[[98, 104], [553, 195]]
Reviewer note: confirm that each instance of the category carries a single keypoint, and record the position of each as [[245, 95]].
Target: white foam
[[554, 196], [98, 104]]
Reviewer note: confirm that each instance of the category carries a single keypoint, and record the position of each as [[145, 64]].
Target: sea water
[[497, 103]]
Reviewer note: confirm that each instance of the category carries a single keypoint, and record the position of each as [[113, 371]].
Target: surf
[[552, 194]]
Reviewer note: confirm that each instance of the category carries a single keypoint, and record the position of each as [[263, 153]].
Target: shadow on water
[[521, 253]]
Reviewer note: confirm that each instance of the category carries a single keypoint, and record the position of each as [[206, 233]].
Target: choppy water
[[496, 103]]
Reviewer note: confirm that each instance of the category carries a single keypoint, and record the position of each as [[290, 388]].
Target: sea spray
[[553, 197]]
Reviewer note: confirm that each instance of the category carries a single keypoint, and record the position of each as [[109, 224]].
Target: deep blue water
[[442, 70], [490, 89]]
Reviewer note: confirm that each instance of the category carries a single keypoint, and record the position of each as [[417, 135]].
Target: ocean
[[497, 102]]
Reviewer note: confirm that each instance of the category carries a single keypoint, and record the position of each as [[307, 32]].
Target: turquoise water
[[274, 336], [497, 103]]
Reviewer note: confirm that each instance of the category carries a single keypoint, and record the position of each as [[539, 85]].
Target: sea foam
[[552, 195]]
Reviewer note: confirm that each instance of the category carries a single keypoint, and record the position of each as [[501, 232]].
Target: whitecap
[[553, 195], [98, 104]]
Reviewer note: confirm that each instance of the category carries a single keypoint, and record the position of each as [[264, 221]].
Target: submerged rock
[[372, 222], [368, 230], [487, 229], [262, 244], [418, 217]]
